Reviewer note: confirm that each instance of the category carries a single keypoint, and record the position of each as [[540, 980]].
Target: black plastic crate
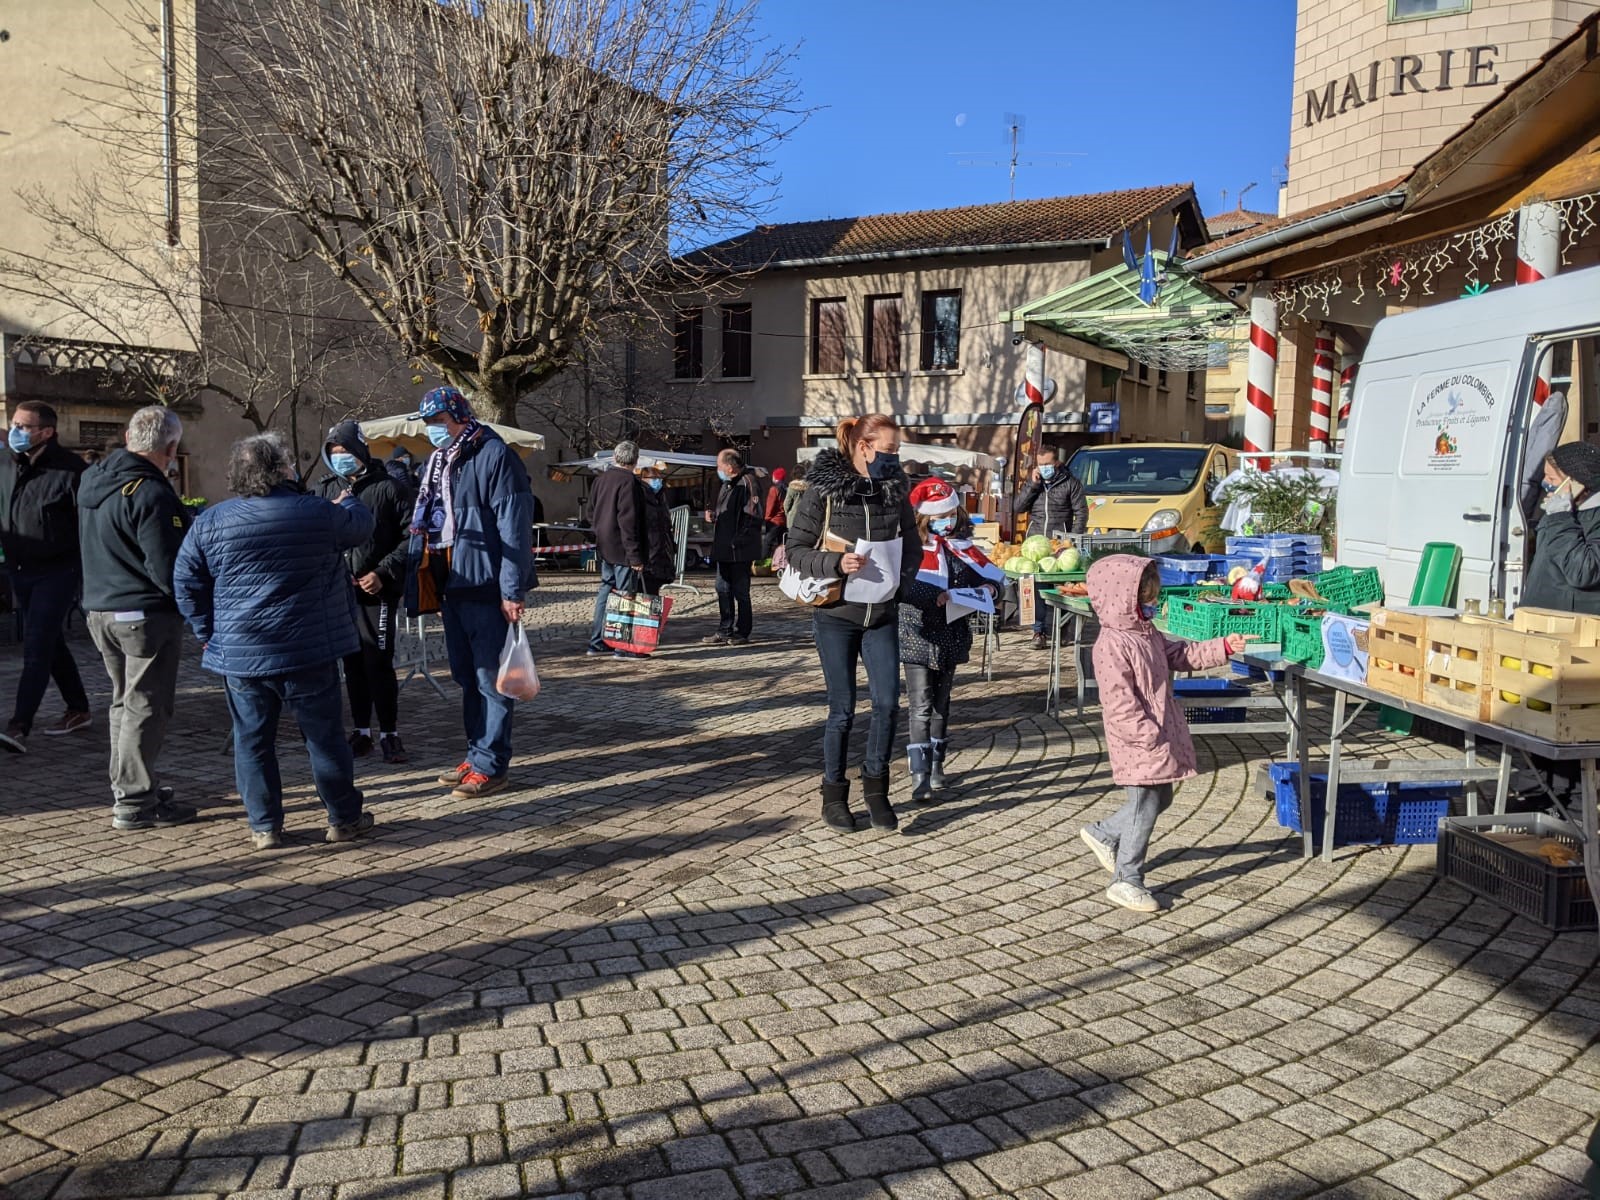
[[1190, 692], [1556, 897]]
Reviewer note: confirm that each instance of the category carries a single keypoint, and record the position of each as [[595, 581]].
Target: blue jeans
[[474, 635], [614, 577], [840, 644], [44, 598], [313, 697]]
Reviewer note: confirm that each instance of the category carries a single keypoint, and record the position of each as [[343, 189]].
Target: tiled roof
[[889, 235], [1224, 224]]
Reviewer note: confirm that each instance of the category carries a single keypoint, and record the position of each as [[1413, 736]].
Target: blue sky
[[1148, 91]]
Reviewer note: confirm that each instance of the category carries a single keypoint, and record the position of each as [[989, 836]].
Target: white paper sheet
[[879, 580], [964, 601]]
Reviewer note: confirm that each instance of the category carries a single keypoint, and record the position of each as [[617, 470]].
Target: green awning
[[1191, 326]]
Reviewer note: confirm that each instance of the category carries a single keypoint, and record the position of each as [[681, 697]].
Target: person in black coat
[[616, 510], [738, 523], [378, 571], [660, 547], [39, 535], [1565, 571], [858, 494], [1056, 504]]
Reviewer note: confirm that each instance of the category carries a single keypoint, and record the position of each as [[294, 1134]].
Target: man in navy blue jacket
[[471, 559], [262, 581]]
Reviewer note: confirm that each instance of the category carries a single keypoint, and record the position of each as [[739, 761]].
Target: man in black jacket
[[738, 524], [616, 510], [39, 535], [378, 571], [131, 524], [1055, 503]]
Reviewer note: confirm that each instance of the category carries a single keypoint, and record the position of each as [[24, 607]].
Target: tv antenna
[[1015, 128]]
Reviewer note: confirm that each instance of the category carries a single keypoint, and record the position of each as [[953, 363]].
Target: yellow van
[[1159, 488]]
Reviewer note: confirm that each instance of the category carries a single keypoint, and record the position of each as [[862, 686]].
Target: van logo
[[1451, 425]]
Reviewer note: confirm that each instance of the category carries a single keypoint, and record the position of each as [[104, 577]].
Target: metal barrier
[[413, 653], [680, 537]]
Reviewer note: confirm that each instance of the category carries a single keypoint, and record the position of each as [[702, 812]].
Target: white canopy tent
[[941, 456], [671, 464], [385, 433]]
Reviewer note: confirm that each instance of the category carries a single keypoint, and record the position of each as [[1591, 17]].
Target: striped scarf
[[435, 512]]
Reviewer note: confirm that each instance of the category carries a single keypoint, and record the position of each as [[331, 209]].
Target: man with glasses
[[39, 536]]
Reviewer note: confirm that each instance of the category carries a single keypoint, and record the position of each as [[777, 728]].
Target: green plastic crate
[[1302, 638], [1350, 586], [1198, 620]]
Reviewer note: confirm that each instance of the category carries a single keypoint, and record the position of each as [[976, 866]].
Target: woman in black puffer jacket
[[858, 493]]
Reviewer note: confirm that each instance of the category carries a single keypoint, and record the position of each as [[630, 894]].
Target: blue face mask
[[1047, 471], [943, 525], [654, 484], [1148, 611], [1545, 485], [344, 464], [20, 439], [439, 435], [724, 476], [883, 466]]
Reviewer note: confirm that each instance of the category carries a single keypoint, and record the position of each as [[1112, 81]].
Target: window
[[883, 334], [1191, 387], [100, 435], [735, 341], [941, 331], [1414, 10], [1144, 373], [688, 346], [1161, 379], [827, 337]]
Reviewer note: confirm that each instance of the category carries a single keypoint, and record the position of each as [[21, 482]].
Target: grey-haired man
[[616, 511]]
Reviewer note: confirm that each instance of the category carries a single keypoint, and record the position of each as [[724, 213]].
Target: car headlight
[[1164, 521]]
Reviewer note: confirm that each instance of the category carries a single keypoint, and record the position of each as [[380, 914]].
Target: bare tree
[[493, 180]]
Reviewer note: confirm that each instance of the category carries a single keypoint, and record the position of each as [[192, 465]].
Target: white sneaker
[[1104, 853], [1131, 896]]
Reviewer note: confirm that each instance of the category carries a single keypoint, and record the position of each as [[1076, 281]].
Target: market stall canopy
[[943, 456], [385, 433], [1190, 327], [671, 464]]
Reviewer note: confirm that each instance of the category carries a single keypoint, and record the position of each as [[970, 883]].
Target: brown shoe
[[455, 774], [70, 722], [1040, 642], [476, 783]]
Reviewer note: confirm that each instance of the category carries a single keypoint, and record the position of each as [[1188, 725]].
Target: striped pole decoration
[[1262, 377], [1539, 257], [1347, 391], [1322, 393], [1033, 373]]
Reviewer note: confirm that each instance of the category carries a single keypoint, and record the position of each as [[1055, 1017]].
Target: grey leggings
[[1128, 830]]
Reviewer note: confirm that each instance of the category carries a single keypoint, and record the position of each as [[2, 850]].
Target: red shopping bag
[[634, 621]]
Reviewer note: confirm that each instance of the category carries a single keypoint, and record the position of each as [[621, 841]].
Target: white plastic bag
[[518, 677]]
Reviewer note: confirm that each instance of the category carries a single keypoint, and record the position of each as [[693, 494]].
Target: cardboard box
[[1397, 653], [1344, 647]]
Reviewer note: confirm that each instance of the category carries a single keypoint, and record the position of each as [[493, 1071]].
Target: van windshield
[[1138, 470]]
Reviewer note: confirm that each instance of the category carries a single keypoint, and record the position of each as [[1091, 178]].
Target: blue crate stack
[[1287, 555]]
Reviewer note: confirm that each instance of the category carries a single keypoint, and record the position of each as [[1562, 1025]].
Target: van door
[[1425, 461]]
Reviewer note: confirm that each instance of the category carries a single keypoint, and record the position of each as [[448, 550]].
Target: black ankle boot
[[875, 791], [936, 764], [836, 806]]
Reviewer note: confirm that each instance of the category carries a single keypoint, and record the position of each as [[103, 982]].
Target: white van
[[1434, 451]]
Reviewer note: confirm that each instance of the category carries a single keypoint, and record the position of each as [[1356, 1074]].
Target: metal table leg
[[1591, 826], [1502, 783], [1079, 660], [1331, 802], [1471, 742]]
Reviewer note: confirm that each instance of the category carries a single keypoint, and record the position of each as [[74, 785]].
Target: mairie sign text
[[1440, 71]]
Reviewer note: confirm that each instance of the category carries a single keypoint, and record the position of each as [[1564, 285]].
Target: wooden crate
[[1456, 675], [1576, 628], [1546, 686], [1397, 645]]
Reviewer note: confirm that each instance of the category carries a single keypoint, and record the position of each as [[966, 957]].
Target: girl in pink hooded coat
[[1146, 732]]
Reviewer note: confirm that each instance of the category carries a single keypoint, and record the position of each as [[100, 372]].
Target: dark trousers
[[771, 539], [44, 598], [369, 673], [141, 657], [928, 704], [474, 635], [256, 706], [733, 599], [614, 577], [840, 645], [654, 583]]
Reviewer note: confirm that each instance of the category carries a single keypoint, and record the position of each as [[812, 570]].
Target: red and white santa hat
[[934, 498]]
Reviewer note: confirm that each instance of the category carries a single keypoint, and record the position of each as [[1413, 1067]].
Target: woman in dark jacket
[[858, 493], [660, 548], [1565, 572]]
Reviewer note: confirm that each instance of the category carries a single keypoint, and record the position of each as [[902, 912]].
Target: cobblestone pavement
[[647, 972]]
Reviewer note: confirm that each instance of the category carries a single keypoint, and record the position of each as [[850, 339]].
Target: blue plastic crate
[[1368, 814], [1190, 690], [1184, 570], [1283, 567], [1294, 543]]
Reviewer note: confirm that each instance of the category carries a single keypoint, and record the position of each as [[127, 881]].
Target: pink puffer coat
[[1133, 662]]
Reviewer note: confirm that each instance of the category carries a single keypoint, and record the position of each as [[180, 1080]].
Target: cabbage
[[1025, 566], [1048, 566], [1068, 559], [1036, 547], [1014, 565]]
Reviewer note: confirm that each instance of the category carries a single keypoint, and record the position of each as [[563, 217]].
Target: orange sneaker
[[476, 783], [455, 774]]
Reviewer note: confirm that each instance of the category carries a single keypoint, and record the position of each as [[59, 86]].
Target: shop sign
[[1442, 71], [1105, 416], [1455, 427]]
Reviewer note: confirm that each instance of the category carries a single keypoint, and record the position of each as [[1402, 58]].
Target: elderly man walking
[[471, 558], [262, 581], [131, 525], [39, 534], [737, 526], [617, 510]]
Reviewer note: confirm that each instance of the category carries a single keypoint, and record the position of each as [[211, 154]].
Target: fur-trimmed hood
[[832, 476]]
